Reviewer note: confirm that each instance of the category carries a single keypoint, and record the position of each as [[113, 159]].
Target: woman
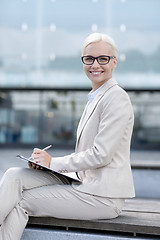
[[101, 158]]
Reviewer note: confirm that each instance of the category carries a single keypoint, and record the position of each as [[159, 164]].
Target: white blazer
[[102, 153]]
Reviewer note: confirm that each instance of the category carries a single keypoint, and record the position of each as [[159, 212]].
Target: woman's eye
[[103, 59], [89, 59]]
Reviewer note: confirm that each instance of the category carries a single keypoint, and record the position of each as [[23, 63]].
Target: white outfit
[[101, 159]]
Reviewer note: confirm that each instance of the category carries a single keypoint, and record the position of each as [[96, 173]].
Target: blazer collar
[[85, 116]]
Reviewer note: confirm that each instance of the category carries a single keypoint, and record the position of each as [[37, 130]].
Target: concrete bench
[[139, 216], [146, 176]]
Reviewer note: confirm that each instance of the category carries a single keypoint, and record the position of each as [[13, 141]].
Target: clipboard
[[69, 176]]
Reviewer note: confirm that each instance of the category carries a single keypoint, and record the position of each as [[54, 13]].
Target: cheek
[[108, 69], [86, 69], [113, 66]]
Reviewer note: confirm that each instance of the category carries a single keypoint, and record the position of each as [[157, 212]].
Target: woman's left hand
[[41, 157]]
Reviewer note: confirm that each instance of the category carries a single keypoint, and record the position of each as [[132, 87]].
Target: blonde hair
[[96, 37]]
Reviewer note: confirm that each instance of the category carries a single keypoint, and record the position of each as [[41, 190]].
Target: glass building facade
[[43, 88]]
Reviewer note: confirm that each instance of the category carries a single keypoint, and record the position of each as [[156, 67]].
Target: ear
[[114, 64], [115, 61]]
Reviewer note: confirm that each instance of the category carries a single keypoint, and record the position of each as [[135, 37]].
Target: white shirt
[[92, 94]]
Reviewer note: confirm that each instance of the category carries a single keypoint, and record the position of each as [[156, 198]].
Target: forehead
[[98, 48]]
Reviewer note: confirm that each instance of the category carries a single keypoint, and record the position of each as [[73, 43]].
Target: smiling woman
[[99, 58], [101, 159]]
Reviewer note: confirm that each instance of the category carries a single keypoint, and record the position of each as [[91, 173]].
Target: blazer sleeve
[[116, 121]]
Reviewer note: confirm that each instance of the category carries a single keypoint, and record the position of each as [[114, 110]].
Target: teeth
[[96, 73]]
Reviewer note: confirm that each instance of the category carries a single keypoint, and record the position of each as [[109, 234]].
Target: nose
[[95, 64]]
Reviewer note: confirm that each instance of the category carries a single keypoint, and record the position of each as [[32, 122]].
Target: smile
[[96, 73]]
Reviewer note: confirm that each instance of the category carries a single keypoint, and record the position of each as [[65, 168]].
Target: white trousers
[[28, 192]]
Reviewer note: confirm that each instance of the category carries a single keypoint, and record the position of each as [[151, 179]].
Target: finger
[[35, 156], [37, 150], [29, 164], [37, 167], [33, 165]]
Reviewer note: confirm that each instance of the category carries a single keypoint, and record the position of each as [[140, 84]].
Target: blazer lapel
[[91, 107]]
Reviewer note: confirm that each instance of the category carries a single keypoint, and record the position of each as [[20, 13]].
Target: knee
[[13, 173]]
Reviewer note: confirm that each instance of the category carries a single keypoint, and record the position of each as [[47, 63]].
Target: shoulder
[[116, 100], [116, 93]]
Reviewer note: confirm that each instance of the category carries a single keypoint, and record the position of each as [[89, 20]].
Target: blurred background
[[43, 89]]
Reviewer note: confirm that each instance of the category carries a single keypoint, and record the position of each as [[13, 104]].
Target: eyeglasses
[[102, 60]]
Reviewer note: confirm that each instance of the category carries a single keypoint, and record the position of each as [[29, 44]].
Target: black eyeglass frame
[[96, 58]]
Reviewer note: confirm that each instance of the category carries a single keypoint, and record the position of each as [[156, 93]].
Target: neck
[[95, 86]]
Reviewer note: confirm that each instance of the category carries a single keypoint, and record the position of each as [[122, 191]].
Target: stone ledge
[[138, 216]]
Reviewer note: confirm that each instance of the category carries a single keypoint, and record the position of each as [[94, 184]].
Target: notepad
[[69, 176]]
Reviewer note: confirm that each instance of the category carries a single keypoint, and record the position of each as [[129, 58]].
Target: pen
[[46, 148]]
